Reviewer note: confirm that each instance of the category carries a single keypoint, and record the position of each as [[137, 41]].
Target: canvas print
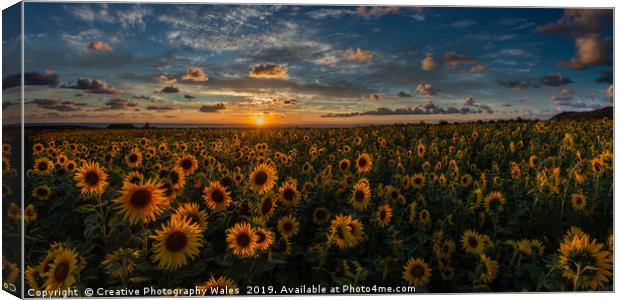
[[219, 149]]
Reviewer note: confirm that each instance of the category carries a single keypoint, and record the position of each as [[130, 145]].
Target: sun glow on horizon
[[259, 121]]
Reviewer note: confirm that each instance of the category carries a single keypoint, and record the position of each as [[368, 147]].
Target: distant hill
[[121, 126], [605, 112]]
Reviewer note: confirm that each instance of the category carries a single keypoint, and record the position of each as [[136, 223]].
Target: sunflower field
[[476, 207]]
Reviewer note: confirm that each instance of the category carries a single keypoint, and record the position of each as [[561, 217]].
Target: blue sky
[[231, 64]]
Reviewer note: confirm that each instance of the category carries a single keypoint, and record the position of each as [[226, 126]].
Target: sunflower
[[70, 165], [133, 159], [30, 214], [363, 163], [263, 178], [489, 269], [383, 215], [425, 217], [320, 215], [121, 262], [216, 196], [143, 202], [472, 242], [418, 181], [91, 178], [288, 226], [175, 242], [193, 212], [187, 163], [578, 201], [37, 148], [340, 231], [357, 231], [344, 164], [360, 197], [466, 180], [494, 202], [42, 192], [289, 195], [32, 278], [417, 272], [267, 206], [584, 263], [242, 239], [10, 271], [176, 177], [214, 286], [43, 166], [62, 269], [133, 177], [264, 238]]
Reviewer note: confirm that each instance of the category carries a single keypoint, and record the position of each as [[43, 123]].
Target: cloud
[[376, 96], [160, 108], [479, 68], [358, 55], [94, 86], [562, 97], [402, 94], [426, 109], [269, 70], [512, 52], [212, 108], [514, 84], [592, 50], [554, 79], [469, 101], [195, 74], [324, 13], [426, 89], [57, 104], [463, 23], [376, 11], [428, 63], [610, 94], [47, 77], [453, 59], [99, 46], [189, 96], [170, 89], [165, 79], [118, 104], [607, 76], [579, 22]]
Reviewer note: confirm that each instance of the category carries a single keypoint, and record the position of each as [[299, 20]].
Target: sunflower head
[[242, 239], [141, 202], [216, 196], [176, 243], [416, 272], [263, 178], [91, 178]]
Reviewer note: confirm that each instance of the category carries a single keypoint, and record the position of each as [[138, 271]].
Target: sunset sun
[[259, 121]]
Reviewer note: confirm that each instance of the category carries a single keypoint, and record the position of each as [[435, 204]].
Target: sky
[[253, 65]]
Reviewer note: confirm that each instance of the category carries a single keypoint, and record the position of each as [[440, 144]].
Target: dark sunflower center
[[382, 215], [394, 195], [417, 271], [473, 242], [359, 196], [243, 240], [61, 272], [266, 207], [133, 158], [140, 198], [417, 180], [92, 178], [289, 194], [43, 166], [320, 214], [288, 226], [176, 241], [217, 196], [362, 162], [261, 237], [186, 164], [578, 200], [344, 166], [41, 192], [261, 178]]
